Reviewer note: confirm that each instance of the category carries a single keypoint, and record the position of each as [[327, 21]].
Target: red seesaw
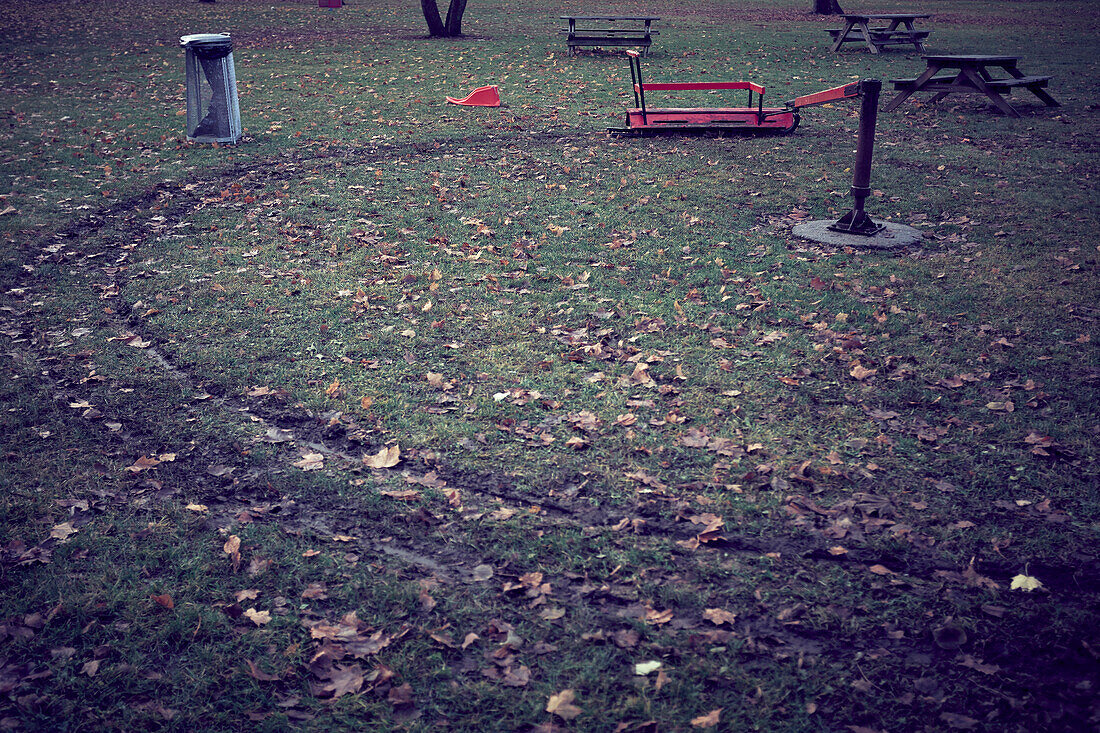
[[753, 118]]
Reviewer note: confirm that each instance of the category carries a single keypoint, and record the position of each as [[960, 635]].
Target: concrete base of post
[[892, 236]]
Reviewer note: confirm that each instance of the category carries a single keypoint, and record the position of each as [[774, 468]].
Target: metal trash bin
[[213, 112]]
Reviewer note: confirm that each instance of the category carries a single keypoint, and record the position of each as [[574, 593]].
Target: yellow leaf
[[388, 457], [643, 668], [196, 507], [562, 705], [1026, 582]]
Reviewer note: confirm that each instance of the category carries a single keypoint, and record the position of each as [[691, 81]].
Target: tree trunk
[[827, 7], [431, 14], [454, 17]]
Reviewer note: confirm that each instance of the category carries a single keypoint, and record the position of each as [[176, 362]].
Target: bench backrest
[[702, 86]]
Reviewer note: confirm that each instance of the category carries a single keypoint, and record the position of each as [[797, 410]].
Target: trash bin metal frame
[[217, 48]]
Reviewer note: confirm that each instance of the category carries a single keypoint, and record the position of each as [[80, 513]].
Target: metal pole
[[856, 221]]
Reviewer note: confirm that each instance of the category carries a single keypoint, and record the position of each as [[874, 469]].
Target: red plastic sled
[[754, 118], [481, 97]]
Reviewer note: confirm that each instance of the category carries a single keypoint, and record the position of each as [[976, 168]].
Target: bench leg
[[867, 34], [917, 84], [1043, 95], [841, 36], [998, 100]]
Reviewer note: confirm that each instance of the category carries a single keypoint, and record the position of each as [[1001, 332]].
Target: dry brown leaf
[[483, 573], [63, 531], [310, 462], [707, 721], [562, 705], [232, 545], [164, 600], [860, 372], [388, 457], [258, 617], [719, 616], [315, 591], [143, 464]]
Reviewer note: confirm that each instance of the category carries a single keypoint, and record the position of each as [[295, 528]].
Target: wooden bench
[[973, 74], [899, 31], [907, 84], [600, 31], [998, 85]]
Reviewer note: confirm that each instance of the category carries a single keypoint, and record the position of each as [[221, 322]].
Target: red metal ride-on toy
[[754, 118]]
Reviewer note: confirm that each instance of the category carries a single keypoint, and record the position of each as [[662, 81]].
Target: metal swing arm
[[847, 91]]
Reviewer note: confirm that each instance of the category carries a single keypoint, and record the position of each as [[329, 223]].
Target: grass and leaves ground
[[400, 415]]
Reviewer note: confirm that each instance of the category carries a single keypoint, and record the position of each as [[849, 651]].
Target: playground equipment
[[754, 118], [857, 228], [488, 96]]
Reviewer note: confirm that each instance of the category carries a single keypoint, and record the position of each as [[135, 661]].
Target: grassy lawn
[[407, 416]]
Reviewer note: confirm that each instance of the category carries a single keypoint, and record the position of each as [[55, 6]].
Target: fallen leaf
[[310, 462], [562, 705], [63, 531], [232, 545], [707, 721], [196, 507], [643, 668], [258, 617], [483, 573], [388, 457], [246, 595], [143, 464], [315, 590], [164, 600], [1025, 583], [860, 372], [719, 616], [959, 722], [343, 681], [517, 677]]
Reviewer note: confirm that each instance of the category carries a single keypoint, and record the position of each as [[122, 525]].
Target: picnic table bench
[[609, 30], [899, 31], [972, 76]]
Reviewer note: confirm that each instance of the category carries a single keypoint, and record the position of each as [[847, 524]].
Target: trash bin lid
[[207, 39]]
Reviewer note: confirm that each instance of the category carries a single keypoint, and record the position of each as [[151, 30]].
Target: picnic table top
[[609, 17], [888, 16], [971, 58]]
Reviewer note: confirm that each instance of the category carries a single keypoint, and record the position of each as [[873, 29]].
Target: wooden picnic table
[[609, 30], [899, 32], [972, 76]]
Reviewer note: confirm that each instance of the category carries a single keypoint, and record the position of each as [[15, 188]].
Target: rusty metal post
[[856, 221]]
